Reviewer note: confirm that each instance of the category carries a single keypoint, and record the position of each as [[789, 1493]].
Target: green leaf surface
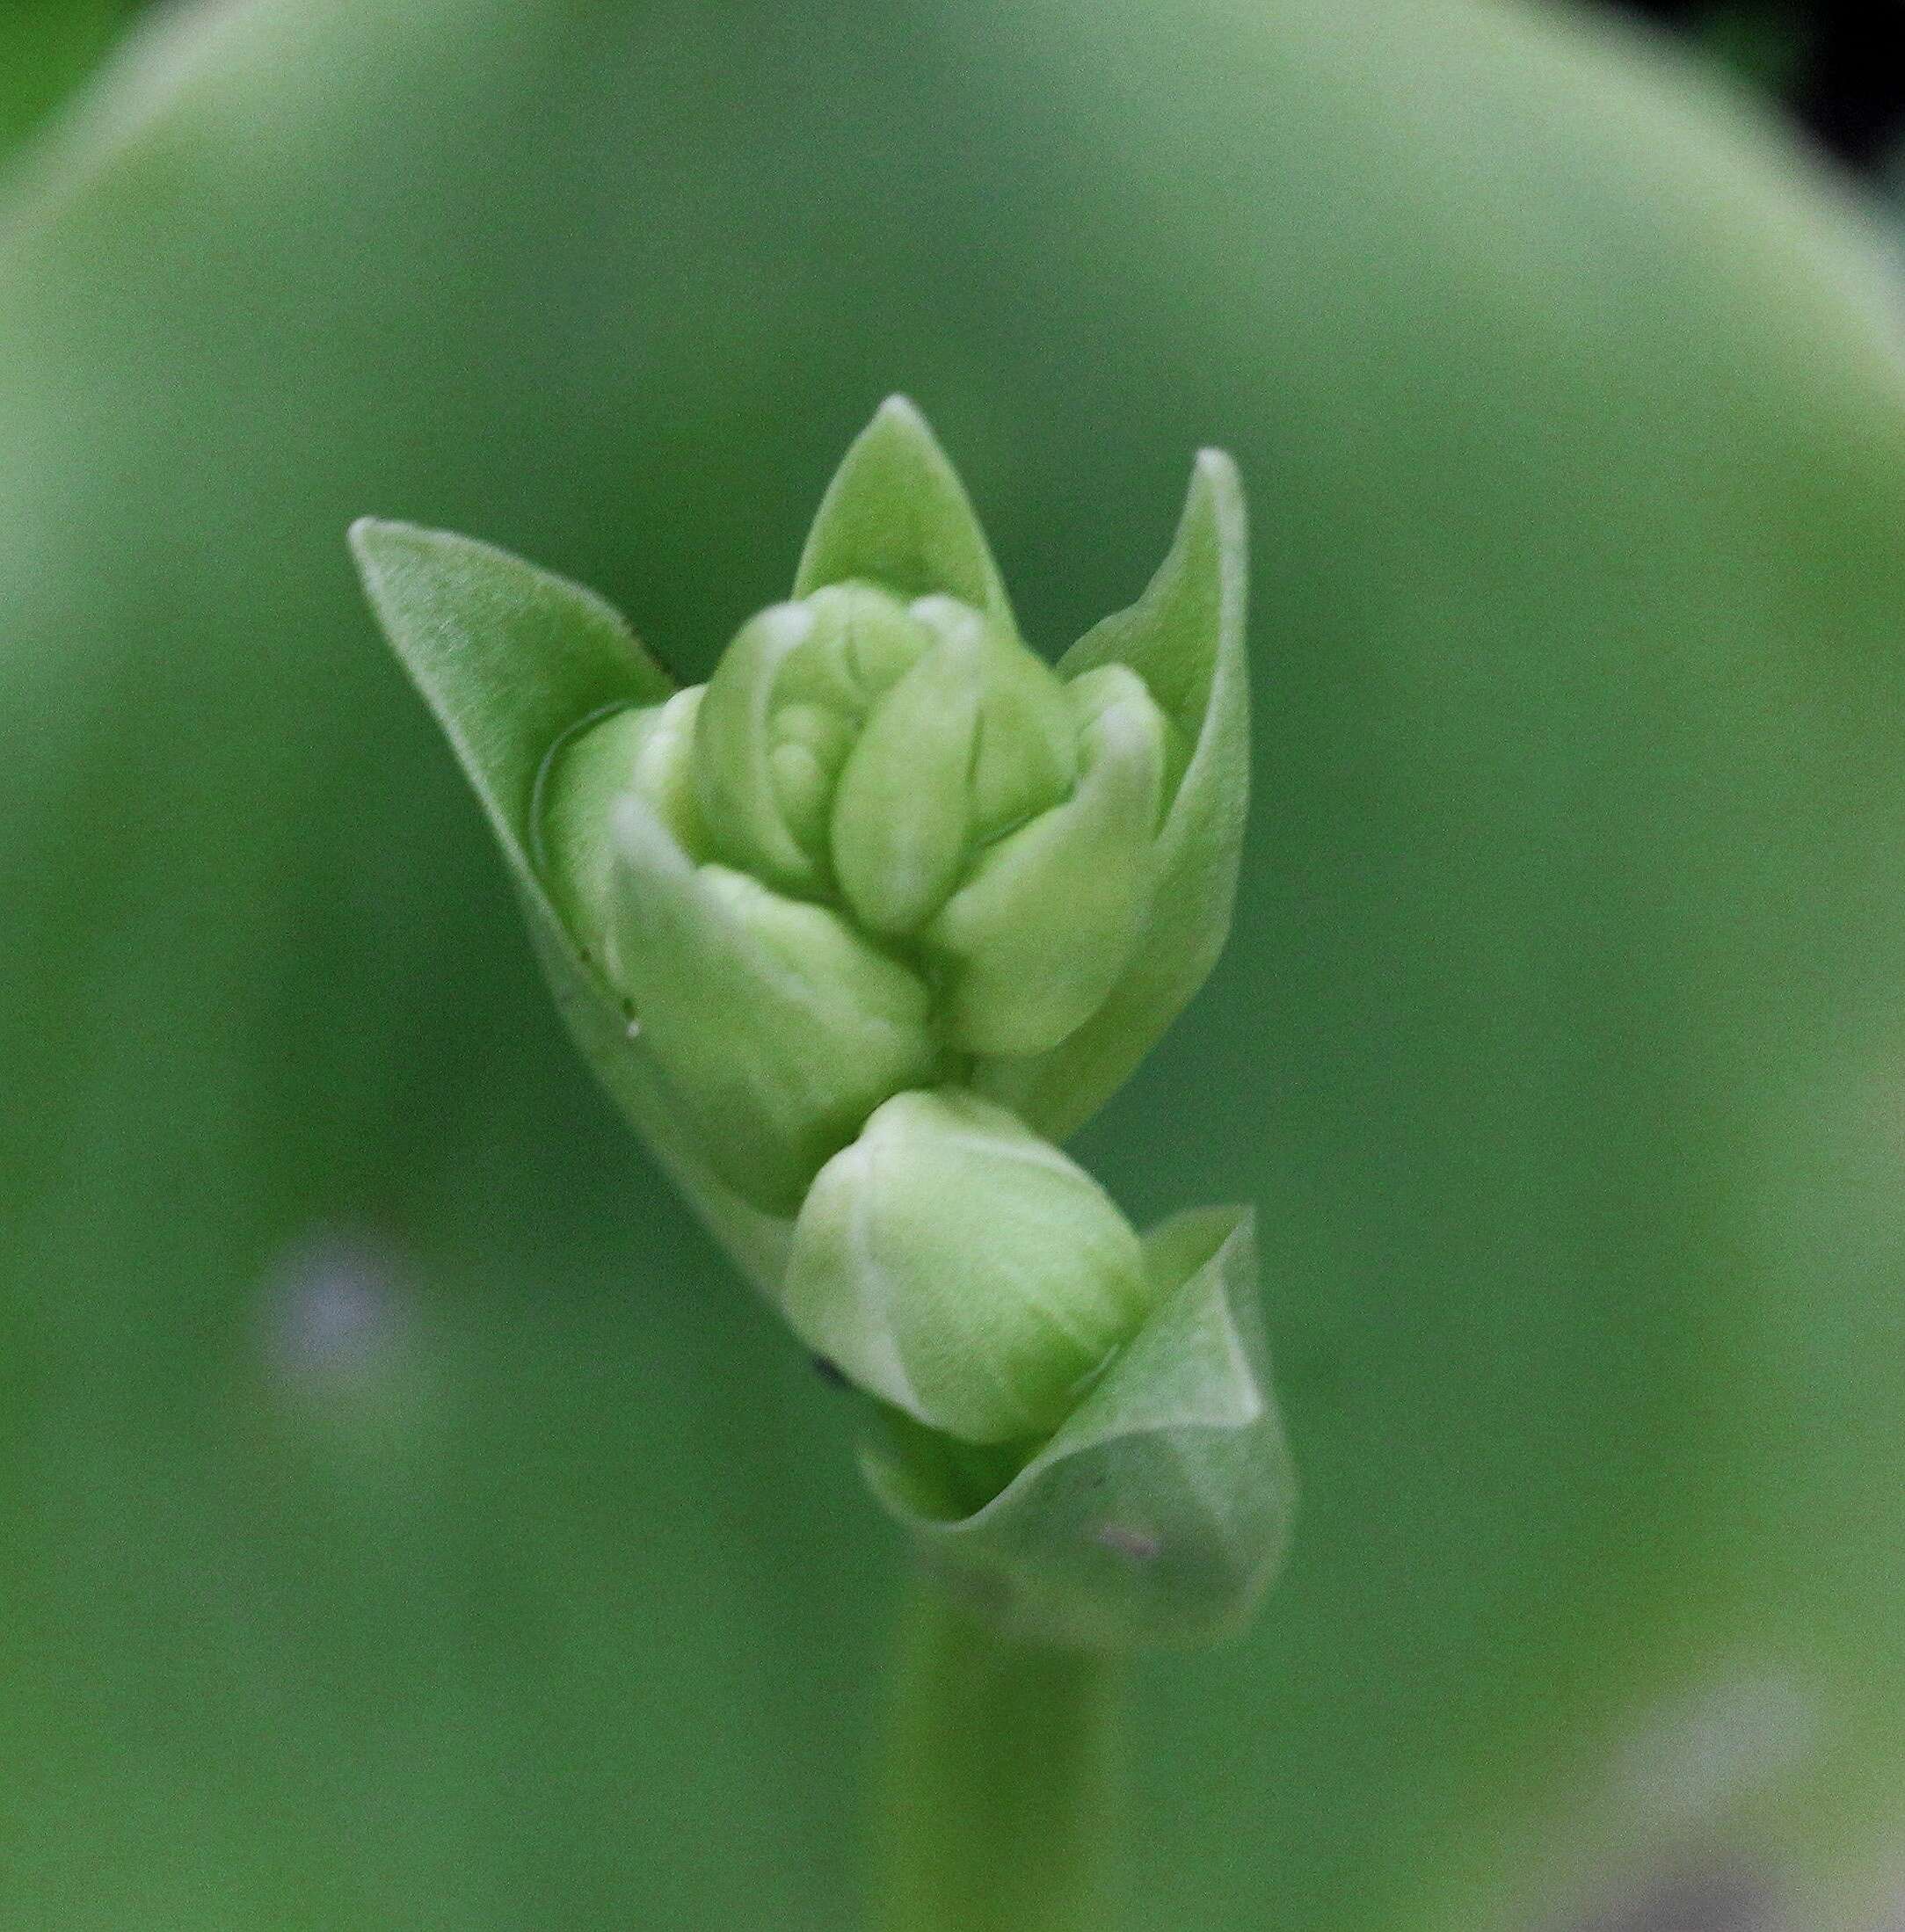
[[46, 50], [1159, 1510]]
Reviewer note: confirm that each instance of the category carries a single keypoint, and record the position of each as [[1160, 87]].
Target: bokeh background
[[404, 1519]]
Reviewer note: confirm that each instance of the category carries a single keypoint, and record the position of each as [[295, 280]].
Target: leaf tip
[[1216, 495], [897, 514], [376, 544], [368, 534], [900, 411], [362, 538], [898, 446]]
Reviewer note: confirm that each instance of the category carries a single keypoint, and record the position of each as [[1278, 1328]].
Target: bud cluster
[[854, 933], [884, 851]]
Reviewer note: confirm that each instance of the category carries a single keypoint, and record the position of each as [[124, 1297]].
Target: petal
[[734, 770], [902, 813]]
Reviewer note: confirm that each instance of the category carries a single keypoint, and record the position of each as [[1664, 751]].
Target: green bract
[[1158, 1509], [851, 931]]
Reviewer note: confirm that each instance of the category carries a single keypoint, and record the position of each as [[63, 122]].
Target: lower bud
[[958, 1267]]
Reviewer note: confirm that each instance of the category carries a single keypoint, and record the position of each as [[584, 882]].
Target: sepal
[[513, 661]]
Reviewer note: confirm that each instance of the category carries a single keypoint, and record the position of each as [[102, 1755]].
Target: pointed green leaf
[[896, 514], [1160, 1511], [511, 660], [1185, 637]]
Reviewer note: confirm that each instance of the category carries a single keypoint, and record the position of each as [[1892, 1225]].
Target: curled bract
[[1158, 1511], [854, 931]]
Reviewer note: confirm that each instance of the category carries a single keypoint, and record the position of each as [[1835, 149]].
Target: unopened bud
[[963, 1269], [1039, 933]]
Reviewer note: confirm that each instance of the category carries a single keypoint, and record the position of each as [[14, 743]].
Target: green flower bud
[[643, 751], [999, 834], [975, 739], [783, 706], [963, 1269], [852, 933], [778, 1026], [910, 786], [1041, 931], [855, 748]]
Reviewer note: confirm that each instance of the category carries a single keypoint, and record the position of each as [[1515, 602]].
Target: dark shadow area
[[1836, 68]]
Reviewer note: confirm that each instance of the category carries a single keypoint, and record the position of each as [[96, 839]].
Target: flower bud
[[778, 1025], [1039, 933], [815, 921], [881, 829], [779, 1028], [881, 796], [963, 1269], [643, 750], [783, 707]]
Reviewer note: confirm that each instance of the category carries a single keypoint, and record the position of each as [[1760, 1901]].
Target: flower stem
[[999, 1783]]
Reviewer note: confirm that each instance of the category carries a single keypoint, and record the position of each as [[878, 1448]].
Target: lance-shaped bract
[[851, 932]]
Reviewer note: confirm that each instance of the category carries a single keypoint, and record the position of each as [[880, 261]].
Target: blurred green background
[[404, 1519]]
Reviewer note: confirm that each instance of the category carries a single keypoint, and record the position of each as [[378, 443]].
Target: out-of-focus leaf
[[47, 47]]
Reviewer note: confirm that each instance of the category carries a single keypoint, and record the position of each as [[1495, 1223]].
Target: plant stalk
[[998, 1792]]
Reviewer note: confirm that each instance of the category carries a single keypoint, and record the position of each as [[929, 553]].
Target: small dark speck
[[829, 1372], [1138, 1544]]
